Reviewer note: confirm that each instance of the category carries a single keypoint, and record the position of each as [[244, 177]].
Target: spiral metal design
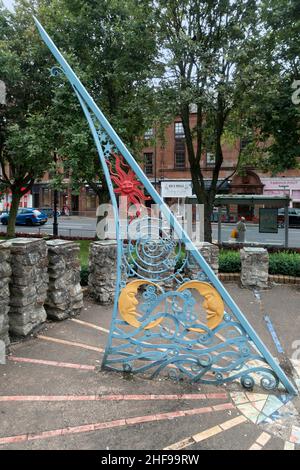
[[56, 71], [217, 356], [152, 252]]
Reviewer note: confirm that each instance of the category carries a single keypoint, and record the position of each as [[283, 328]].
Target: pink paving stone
[[48, 398], [295, 435], [193, 396], [197, 411], [223, 406], [78, 398], [137, 397], [84, 367], [51, 363], [165, 397], [170, 415], [12, 439], [141, 419], [45, 434], [110, 397], [216, 395], [78, 429], [110, 424]]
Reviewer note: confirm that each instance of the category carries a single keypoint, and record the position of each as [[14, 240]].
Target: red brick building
[[166, 165]]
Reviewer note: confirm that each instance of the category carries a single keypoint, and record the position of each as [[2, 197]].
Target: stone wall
[[255, 267], [210, 253], [5, 274], [65, 297], [103, 271], [29, 283]]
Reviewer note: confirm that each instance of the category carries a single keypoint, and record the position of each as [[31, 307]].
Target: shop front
[[283, 186], [6, 198]]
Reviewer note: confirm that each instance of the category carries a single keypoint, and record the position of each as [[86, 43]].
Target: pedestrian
[[241, 230]]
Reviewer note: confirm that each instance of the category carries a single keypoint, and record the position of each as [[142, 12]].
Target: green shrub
[[229, 261], [284, 263], [84, 275]]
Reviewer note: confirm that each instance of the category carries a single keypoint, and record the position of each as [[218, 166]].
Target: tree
[[204, 50], [102, 40], [116, 70], [24, 141], [269, 108]]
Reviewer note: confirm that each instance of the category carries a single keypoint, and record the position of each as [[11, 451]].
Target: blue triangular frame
[[92, 112]]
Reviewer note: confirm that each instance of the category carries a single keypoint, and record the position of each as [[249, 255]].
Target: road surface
[[75, 226]]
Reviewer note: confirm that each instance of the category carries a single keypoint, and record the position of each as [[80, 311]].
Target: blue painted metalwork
[[273, 334], [161, 329]]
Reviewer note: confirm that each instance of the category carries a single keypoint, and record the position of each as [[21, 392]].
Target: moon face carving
[[213, 303], [128, 303]]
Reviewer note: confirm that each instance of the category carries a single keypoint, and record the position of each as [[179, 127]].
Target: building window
[[148, 163], [149, 134], [210, 158], [179, 154], [179, 131]]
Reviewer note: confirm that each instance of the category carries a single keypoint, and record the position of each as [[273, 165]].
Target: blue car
[[26, 216]]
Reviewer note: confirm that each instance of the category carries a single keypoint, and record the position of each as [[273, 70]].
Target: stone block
[[255, 267], [103, 271], [64, 297], [28, 285], [210, 253], [5, 277]]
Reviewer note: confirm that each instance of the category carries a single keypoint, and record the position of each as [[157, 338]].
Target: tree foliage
[[114, 42], [204, 49]]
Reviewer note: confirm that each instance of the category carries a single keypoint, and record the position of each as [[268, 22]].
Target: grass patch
[[84, 252]]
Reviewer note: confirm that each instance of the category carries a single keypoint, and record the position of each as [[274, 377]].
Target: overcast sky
[[8, 3]]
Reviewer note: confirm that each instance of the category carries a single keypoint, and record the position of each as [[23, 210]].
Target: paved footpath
[[53, 394]]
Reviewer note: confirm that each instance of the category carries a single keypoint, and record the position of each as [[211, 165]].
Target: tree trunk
[[207, 222], [203, 197], [11, 227]]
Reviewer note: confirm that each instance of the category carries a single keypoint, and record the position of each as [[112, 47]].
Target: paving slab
[[53, 394]]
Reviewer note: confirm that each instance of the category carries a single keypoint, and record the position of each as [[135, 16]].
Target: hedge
[[229, 261], [286, 263]]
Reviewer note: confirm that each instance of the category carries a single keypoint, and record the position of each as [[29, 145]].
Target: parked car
[[49, 212], [294, 217], [26, 216]]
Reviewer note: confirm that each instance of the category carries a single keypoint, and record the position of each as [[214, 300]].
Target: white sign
[[176, 189], [280, 183]]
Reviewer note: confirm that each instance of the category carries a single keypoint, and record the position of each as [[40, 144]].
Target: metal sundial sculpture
[[155, 324]]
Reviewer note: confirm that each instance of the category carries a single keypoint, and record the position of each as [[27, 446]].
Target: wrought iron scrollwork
[[156, 323]]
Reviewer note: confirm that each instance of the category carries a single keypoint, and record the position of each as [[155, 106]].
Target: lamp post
[[55, 224]]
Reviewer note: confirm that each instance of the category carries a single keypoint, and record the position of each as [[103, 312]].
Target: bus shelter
[[253, 200]]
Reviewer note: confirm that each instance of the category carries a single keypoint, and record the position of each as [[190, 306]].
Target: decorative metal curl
[[56, 71], [139, 349], [151, 253]]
